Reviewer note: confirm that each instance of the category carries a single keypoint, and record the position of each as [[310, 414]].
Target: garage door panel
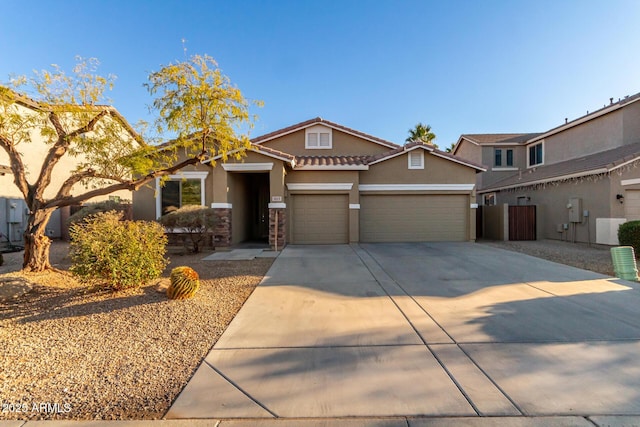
[[320, 219], [413, 218]]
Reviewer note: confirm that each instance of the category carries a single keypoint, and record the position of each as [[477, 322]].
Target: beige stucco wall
[[342, 144], [469, 151], [602, 133], [631, 122], [436, 171], [495, 222], [221, 192], [553, 200]]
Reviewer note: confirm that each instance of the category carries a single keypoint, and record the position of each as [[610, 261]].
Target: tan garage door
[[320, 219], [413, 218], [632, 205]]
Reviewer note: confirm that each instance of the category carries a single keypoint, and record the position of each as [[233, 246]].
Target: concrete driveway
[[427, 329]]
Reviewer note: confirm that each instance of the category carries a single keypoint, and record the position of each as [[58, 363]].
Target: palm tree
[[422, 133]]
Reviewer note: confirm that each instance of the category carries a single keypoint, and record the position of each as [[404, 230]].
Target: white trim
[[504, 169], [333, 168], [189, 175], [624, 164], [527, 147], [320, 186], [542, 181], [277, 205], [626, 182], [202, 175], [247, 167], [255, 150], [474, 206], [420, 155], [354, 205], [416, 187], [221, 205]]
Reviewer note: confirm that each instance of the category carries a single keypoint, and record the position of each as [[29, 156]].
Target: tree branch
[[132, 185], [60, 148], [17, 167], [65, 188]]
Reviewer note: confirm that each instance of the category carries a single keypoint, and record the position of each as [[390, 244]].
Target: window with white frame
[[489, 199], [180, 190], [176, 194], [535, 155], [318, 137], [416, 159]]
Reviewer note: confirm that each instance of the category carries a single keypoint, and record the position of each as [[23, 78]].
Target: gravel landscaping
[[68, 352], [594, 258]]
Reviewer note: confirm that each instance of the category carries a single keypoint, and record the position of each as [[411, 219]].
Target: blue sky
[[376, 66]]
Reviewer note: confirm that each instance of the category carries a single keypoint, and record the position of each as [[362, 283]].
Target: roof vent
[[566, 120], [610, 101]]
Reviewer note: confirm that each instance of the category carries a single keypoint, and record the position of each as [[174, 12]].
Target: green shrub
[[184, 283], [111, 253], [94, 208], [629, 235], [197, 222]]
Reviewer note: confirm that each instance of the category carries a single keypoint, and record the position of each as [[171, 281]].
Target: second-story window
[[536, 154], [499, 157], [509, 157]]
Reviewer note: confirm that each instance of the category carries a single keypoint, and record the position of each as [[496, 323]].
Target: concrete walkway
[[424, 330]]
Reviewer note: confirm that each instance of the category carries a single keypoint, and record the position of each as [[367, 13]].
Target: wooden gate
[[522, 223]]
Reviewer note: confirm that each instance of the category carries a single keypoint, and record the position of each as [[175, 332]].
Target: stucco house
[[583, 175], [318, 182], [13, 209]]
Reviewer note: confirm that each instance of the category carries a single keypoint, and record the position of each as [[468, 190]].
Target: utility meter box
[[575, 209], [14, 211]]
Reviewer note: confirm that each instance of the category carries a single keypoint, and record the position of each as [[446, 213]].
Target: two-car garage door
[[414, 218], [324, 218]]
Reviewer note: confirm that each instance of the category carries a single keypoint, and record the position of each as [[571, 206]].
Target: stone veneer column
[[222, 230], [282, 224]]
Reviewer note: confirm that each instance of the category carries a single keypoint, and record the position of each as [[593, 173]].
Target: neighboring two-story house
[[318, 182], [13, 209], [584, 175]]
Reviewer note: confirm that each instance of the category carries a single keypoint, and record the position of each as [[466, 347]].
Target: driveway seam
[[457, 344], [241, 390], [449, 374]]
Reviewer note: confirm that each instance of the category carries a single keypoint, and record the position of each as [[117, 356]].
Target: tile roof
[[289, 129], [602, 162], [499, 138], [331, 160]]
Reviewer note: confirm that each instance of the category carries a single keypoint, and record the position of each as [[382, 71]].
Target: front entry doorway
[[257, 219]]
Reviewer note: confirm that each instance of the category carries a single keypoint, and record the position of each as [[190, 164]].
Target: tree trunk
[[36, 243]]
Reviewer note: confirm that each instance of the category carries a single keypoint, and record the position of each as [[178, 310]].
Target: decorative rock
[[13, 287]]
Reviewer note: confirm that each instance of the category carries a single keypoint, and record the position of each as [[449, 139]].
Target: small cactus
[[184, 283]]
